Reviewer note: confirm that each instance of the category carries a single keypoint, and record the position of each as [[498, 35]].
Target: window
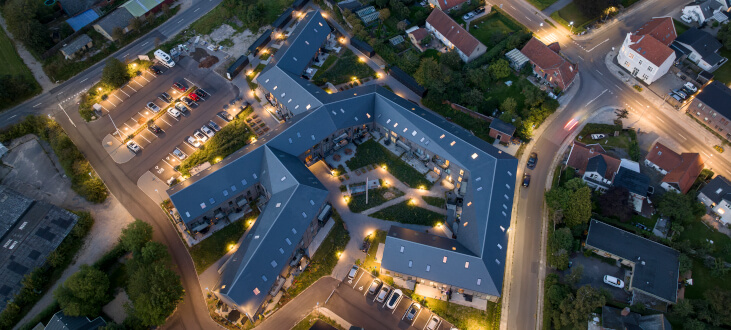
[[467, 264], [640, 63], [444, 260], [649, 68], [631, 55], [645, 76]]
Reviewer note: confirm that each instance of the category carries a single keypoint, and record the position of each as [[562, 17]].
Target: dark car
[[188, 101], [212, 124], [155, 70], [526, 180], [201, 93], [412, 312], [165, 97], [532, 160], [178, 86], [480, 10], [154, 129], [225, 116]]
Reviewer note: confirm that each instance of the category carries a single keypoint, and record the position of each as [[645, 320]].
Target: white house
[[701, 48], [646, 53], [447, 5], [703, 11], [717, 196], [452, 35]]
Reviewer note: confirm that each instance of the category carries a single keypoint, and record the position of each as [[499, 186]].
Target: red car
[[194, 97], [179, 87]]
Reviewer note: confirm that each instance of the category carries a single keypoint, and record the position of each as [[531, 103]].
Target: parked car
[[681, 94], [200, 136], [179, 153], [212, 124], [154, 129], [225, 116], [155, 70], [374, 286], [179, 87], [412, 312], [676, 97], [194, 97], [641, 226], [689, 85], [526, 180], [133, 146], [385, 289], [207, 131], [188, 101], [613, 281], [352, 272], [598, 136], [433, 323], [193, 142], [479, 10], [152, 106], [532, 160], [181, 107], [165, 97], [468, 16], [394, 299], [174, 112], [686, 90], [686, 19], [202, 93]]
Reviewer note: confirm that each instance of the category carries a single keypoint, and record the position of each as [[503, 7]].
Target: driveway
[[594, 271]]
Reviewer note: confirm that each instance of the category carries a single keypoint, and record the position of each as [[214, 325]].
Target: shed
[[282, 21], [236, 67], [119, 18], [407, 80], [363, 47], [517, 59], [140, 7], [78, 44], [261, 42], [81, 20], [502, 131]]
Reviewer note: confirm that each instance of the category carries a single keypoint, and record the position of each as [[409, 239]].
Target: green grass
[[464, 317], [372, 152], [704, 281], [230, 138], [490, 27], [435, 201], [697, 233], [346, 67], [542, 4], [13, 65], [379, 236], [376, 197], [406, 212], [479, 128], [250, 77], [680, 27], [499, 91], [324, 260], [621, 142], [433, 53], [310, 320], [571, 13], [214, 247], [723, 74], [649, 222], [224, 12]]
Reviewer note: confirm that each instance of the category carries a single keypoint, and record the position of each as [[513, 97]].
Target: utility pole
[[117, 129]]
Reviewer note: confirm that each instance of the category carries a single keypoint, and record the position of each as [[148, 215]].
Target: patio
[[430, 292], [460, 299], [341, 156]]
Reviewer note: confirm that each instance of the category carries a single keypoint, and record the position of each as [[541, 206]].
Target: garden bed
[[406, 212], [347, 67], [373, 153]]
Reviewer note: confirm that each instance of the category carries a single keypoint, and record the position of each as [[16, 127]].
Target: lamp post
[[571, 27]]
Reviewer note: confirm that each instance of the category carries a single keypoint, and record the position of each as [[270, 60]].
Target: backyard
[[493, 28], [208, 251], [241, 15], [347, 67], [378, 196], [409, 212], [723, 74], [372, 152]]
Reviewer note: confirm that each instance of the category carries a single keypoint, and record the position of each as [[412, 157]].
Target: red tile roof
[[555, 47], [660, 28], [419, 34], [457, 35], [663, 157], [650, 48], [548, 60], [580, 154], [448, 4], [683, 176]]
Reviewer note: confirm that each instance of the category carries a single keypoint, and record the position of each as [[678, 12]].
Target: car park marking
[[120, 100], [125, 93], [356, 281], [171, 166], [143, 77], [142, 136], [658, 118], [192, 83], [130, 87], [166, 122], [173, 117], [105, 109]]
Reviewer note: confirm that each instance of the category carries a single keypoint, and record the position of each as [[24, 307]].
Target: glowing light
[[340, 254], [354, 78], [343, 40], [422, 188], [231, 247], [253, 139], [324, 15], [361, 59], [217, 159], [439, 225], [250, 72], [383, 166], [100, 89], [134, 65], [379, 75]]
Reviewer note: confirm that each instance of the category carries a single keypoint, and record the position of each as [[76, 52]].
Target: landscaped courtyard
[[372, 153]]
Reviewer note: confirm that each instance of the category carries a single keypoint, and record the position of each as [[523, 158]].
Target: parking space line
[[105, 109], [120, 100], [166, 122], [176, 119], [141, 114], [132, 88], [138, 83], [110, 101], [125, 93], [192, 83], [140, 145], [143, 77], [130, 127], [356, 281], [164, 161]]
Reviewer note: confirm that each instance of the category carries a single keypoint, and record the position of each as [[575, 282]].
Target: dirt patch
[[388, 195], [199, 54], [208, 62]]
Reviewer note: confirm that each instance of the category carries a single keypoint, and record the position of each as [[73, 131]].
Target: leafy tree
[[136, 23], [533, 95], [401, 25], [409, 62], [499, 69], [473, 97], [594, 8], [381, 3], [433, 76], [83, 293], [509, 105], [155, 292], [575, 310], [683, 308], [558, 198], [615, 203], [694, 324], [575, 275], [384, 14], [115, 73], [560, 243], [477, 78], [452, 60], [579, 209], [718, 301], [136, 235], [685, 263], [682, 208], [724, 35], [574, 184]]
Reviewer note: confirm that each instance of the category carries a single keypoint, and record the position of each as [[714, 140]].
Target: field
[[569, 14], [493, 28]]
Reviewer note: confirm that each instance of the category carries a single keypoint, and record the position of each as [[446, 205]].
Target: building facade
[[453, 36], [710, 106], [646, 53]]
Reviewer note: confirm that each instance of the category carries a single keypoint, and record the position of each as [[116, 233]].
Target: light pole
[[571, 27]]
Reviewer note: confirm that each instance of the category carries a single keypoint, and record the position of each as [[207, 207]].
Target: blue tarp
[[81, 20]]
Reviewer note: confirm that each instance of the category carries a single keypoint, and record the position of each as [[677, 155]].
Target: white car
[[179, 153], [181, 107], [691, 87], [613, 281], [133, 146], [686, 19], [385, 289], [207, 130], [433, 323], [193, 142], [174, 112], [353, 272], [468, 16], [394, 299], [200, 136], [152, 106]]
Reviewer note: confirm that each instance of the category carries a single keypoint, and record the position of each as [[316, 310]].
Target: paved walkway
[[556, 6], [35, 67]]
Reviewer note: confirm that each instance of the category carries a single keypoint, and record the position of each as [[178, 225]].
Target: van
[[352, 273], [164, 58]]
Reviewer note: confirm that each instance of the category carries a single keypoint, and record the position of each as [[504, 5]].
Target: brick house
[[711, 106], [549, 65], [502, 131]]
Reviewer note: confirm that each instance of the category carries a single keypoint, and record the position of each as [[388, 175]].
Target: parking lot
[[594, 271], [353, 302]]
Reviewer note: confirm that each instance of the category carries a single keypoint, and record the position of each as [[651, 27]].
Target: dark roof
[[612, 318], [353, 6], [407, 80], [362, 46], [261, 41], [298, 4], [75, 45], [73, 7], [12, 206], [596, 164], [634, 182], [283, 19], [119, 18], [61, 321], [656, 265], [718, 189], [302, 44], [242, 61], [679, 49], [717, 96], [702, 42], [502, 126]]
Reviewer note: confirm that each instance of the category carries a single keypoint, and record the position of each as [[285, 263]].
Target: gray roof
[[261, 41], [75, 45], [708, 7], [119, 18], [718, 189], [502, 126], [634, 182], [596, 164], [12, 206], [717, 96], [283, 19], [679, 49], [656, 265], [612, 319], [702, 42], [61, 321], [73, 7], [300, 47]]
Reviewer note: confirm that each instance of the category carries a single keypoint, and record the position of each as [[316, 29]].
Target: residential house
[[82, 42], [594, 166], [549, 65], [655, 267], [646, 53], [701, 49], [680, 170], [703, 11], [629, 176], [501, 131], [75, 7], [447, 5], [416, 35], [454, 36], [711, 106], [624, 319], [61, 321], [275, 170], [717, 196], [120, 18]]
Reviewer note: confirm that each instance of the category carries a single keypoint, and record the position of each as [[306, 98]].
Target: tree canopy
[[155, 292], [83, 293], [681, 208], [615, 203], [115, 73], [575, 310], [136, 235]]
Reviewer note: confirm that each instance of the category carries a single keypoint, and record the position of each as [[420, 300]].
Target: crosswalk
[[548, 38]]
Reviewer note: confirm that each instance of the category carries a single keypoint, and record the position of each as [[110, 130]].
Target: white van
[[164, 58]]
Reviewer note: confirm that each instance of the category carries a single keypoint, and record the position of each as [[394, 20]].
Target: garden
[[409, 212], [493, 28], [377, 196], [346, 68], [213, 248], [373, 153]]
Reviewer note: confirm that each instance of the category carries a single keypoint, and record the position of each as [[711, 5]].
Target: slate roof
[[612, 319], [549, 60], [61, 321], [140, 7], [656, 265], [596, 164], [283, 19], [717, 189], [119, 18], [703, 43], [73, 7], [717, 96], [635, 182], [502, 126], [407, 80], [455, 33], [75, 45]]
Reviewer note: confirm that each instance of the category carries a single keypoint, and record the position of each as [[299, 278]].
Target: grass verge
[[14, 74], [309, 322], [373, 153], [542, 4], [406, 212]]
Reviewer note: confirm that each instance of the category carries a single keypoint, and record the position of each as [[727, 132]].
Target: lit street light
[[571, 27]]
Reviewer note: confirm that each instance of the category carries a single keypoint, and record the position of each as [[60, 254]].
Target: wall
[[647, 71]]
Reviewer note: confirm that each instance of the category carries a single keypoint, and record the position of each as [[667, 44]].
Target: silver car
[[207, 130], [179, 153], [133, 146], [200, 136], [152, 106], [174, 112]]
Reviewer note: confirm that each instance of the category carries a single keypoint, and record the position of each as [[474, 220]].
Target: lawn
[[379, 236], [347, 66], [250, 76], [230, 138], [372, 152], [324, 260], [723, 74], [703, 281], [626, 139], [499, 91], [13, 63], [493, 28], [376, 197], [406, 212], [571, 13], [435, 201], [463, 317], [698, 234], [214, 247], [309, 321], [271, 9], [542, 4], [680, 27]]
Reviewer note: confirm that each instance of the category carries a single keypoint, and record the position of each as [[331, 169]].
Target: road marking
[[197, 9], [176, 119], [37, 104], [125, 55], [143, 77], [171, 166], [125, 93], [120, 100], [528, 18], [356, 281], [592, 48], [103, 107], [620, 88], [166, 122], [145, 43], [85, 79], [658, 118], [706, 153], [180, 21], [142, 136], [67, 115], [13, 116], [684, 138], [192, 83], [594, 99], [597, 71], [581, 57], [511, 6]]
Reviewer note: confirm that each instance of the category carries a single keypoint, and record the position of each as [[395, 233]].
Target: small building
[[517, 59], [680, 170], [454, 36], [501, 131], [701, 48], [139, 8], [299, 4], [621, 319], [594, 166], [369, 15], [646, 53], [549, 65], [407, 80], [655, 267], [237, 66], [281, 22], [704, 10], [717, 196], [447, 5], [81, 20], [82, 42], [363, 47], [3, 150], [261, 42], [120, 18], [416, 35], [61, 321], [711, 107]]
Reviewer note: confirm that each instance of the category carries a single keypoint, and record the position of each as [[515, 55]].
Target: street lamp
[[571, 27]]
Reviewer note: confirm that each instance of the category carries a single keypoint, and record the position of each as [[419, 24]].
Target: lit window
[[474, 156], [721, 211], [452, 144], [467, 264], [465, 224], [444, 260]]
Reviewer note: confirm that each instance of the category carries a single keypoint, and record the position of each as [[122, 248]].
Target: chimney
[[625, 311]]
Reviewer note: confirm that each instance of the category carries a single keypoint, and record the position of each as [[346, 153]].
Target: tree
[[533, 95], [579, 209], [135, 236], [694, 324], [409, 62], [165, 8], [558, 198], [401, 25], [560, 243], [83, 293], [615, 203], [718, 301], [431, 75], [685, 263], [473, 97], [381, 3], [499, 69], [509, 105], [683, 308], [117, 34], [621, 113], [452, 60], [384, 14], [724, 35], [115, 73], [682, 208], [155, 292], [575, 310], [135, 23], [575, 275]]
